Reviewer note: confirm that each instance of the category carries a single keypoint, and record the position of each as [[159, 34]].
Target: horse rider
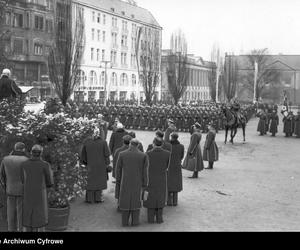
[[235, 108]]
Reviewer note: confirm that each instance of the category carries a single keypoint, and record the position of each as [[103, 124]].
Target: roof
[[280, 62], [139, 13], [25, 89]]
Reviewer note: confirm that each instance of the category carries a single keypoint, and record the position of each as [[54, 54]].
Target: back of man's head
[[127, 139], [134, 142], [158, 142], [20, 147], [159, 134], [37, 150], [6, 72]]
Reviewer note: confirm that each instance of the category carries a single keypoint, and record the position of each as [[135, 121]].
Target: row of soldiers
[[269, 121], [156, 117]]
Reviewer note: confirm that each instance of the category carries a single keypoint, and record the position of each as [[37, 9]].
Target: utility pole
[[255, 81], [105, 84]]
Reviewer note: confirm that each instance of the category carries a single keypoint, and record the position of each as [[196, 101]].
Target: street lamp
[[105, 83]]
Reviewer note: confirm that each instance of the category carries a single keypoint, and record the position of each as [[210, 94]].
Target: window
[[18, 46], [103, 55], [124, 25], [49, 26], [123, 13], [93, 78], [133, 79], [47, 50], [124, 79], [133, 29], [133, 43], [49, 4], [114, 79], [124, 59], [92, 54], [93, 34], [103, 36], [98, 18], [98, 55], [98, 35], [18, 20], [7, 18], [114, 22], [113, 57], [81, 77], [114, 38], [102, 79], [112, 9], [93, 16], [39, 22], [104, 19], [133, 61], [124, 41], [38, 49]]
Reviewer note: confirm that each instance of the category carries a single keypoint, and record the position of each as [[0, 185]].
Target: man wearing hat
[[132, 174], [8, 87], [10, 178], [116, 140], [210, 151], [274, 121], [171, 128], [193, 160], [103, 127], [166, 145], [36, 176], [157, 188]]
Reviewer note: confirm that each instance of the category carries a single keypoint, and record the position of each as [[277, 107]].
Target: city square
[[117, 116]]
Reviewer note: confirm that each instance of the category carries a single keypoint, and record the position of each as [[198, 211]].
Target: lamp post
[[255, 81], [105, 82]]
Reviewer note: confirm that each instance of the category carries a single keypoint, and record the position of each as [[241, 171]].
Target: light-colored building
[[110, 39], [198, 79]]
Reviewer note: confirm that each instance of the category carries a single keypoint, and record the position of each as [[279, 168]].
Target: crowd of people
[[269, 121]]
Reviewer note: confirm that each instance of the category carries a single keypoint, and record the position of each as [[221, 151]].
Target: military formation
[[156, 117]]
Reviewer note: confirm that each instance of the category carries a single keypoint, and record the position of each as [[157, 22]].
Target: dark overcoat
[[95, 154], [115, 158], [210, 151], [175, 169], [132, 175], [288, 124], [166, 146], [274, 121], [116, 140], [8, 88], [261, 127], [297, 125], [194, 151], [159, 160], [168, 132], [36, 177]]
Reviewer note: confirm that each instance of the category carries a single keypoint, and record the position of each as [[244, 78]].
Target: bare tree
[[177, 70], [265, 74], [230, 77], [66, 53], [4, 34], [148, 52]]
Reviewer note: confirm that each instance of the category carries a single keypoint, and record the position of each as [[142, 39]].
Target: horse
[[232, 123]]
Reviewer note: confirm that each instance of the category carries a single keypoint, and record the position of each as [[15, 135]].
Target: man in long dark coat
[[159, 160], [10, 177], [8, 87], [175, 172], [261, 127], [193, 160], [36, 177], [274, 121], [132, 174], [288, 124], [95, 154], [297, 125], [126, 142], [210, 150]]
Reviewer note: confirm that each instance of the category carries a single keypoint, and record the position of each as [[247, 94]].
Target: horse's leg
[[231, 134], [226, 133], [244, 131]]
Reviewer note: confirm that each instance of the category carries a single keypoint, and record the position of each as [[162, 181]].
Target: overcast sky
[[236, 25]]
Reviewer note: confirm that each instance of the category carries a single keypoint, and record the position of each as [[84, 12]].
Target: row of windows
[[93, 79], [24, 21], [101, 18], [98, 35], [21, 46], [196, 95], [96, 56], [198, 77]]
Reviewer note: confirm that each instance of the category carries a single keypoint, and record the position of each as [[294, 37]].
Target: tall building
[[31, 24], [109, 59], [198, 79]]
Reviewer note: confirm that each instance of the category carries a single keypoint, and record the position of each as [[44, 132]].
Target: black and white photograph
[[149, 116]]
